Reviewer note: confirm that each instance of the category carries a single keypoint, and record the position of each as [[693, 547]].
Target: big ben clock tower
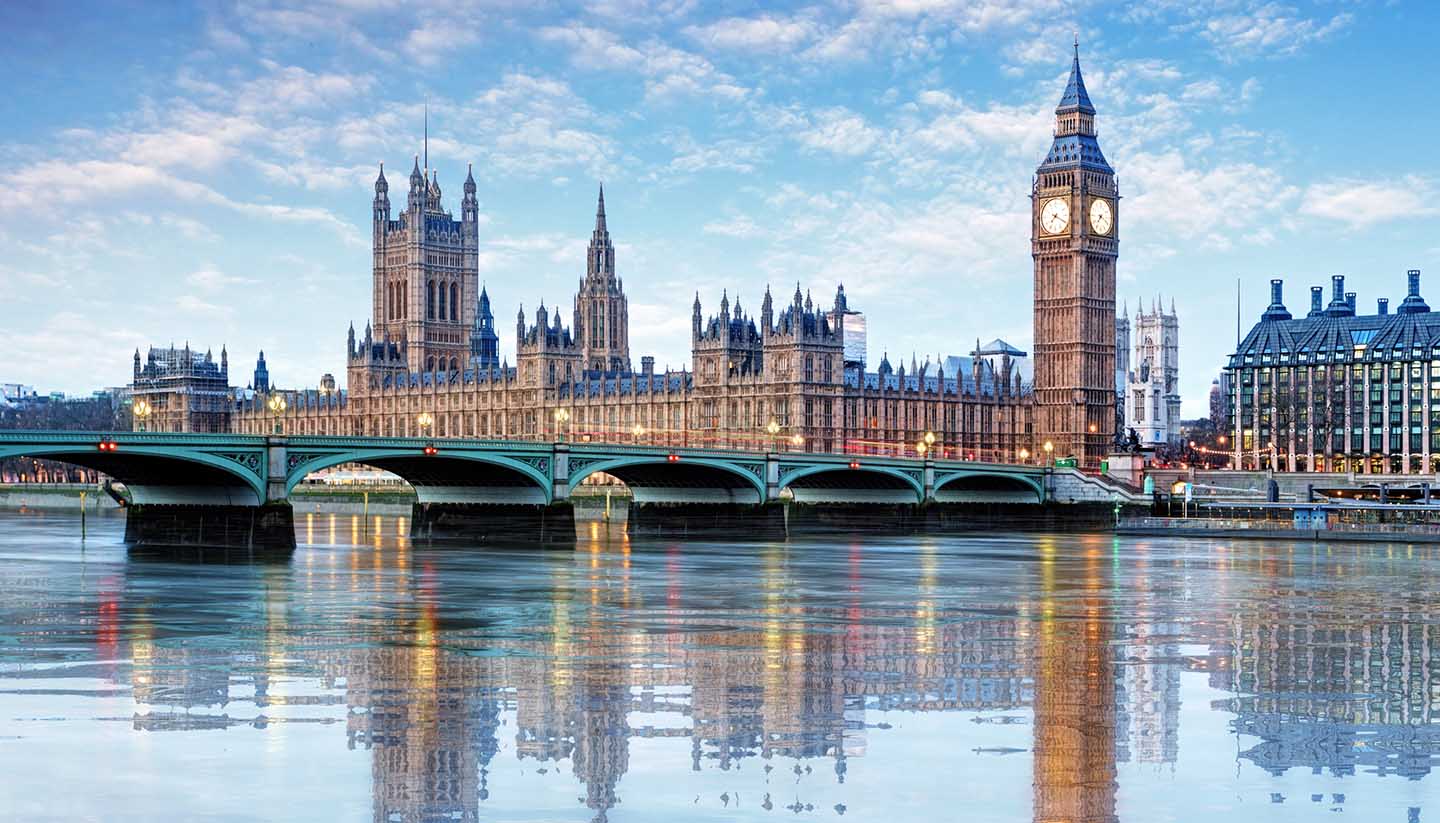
[[1074, 243]]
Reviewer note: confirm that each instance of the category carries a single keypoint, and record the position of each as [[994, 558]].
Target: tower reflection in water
[[792, 655]]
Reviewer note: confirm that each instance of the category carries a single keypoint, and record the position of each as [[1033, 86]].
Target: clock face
[[1101, 218], [1055, 215]]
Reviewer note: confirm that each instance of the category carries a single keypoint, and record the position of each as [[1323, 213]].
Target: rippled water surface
[[992, 678]]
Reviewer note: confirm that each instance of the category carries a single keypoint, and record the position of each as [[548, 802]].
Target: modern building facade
[[1147, 376], [791, 377], [1337, 391]]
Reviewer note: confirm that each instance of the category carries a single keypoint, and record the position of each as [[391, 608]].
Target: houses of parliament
[[426, 364]]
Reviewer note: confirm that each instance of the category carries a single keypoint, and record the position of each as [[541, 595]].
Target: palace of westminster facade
[[426, 365]]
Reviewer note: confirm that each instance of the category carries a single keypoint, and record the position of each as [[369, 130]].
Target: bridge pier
[[729, 521], [271, 526], [515, 524]]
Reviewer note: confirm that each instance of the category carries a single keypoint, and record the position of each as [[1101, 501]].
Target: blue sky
[[205, 174]]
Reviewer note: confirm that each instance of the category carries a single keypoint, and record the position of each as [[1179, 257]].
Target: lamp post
[[141, 410], [1024, 455], [1049, 450], [797, 441], [562, 416], [638, 431], [929, 441], [921, 447], [773, 429], [277, 405], [424, 420]]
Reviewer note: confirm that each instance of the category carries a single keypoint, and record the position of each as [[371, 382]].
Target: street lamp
[[1049, 449], [277, 405], [922, 447], [141, 411], [562, 416], [1024, 455], [773, 429], [637, 432], [424, 420]]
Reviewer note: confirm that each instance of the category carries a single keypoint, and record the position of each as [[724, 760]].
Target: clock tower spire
[[1074, 245]]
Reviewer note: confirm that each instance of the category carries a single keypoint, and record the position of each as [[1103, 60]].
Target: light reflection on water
[[1048, 678]]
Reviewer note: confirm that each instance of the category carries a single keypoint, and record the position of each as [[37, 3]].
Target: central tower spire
[[602, 316]]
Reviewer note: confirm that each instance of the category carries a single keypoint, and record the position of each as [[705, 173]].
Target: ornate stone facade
[[1074, 244], [1149, 382], [425, 366]]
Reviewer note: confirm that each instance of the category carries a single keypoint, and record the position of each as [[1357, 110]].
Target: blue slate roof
[[1076, 149], [1075, 97]]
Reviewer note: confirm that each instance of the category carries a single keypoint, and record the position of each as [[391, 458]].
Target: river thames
[[988, 678]]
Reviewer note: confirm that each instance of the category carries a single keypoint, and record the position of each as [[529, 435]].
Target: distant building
[[185, 390], [1149, 382], [852, 331], [261, 380]]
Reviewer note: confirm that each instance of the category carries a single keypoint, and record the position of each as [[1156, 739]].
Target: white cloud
[[212, 279], [1170, 200], [667, 71], [839, 131], [765, 34], [740, 226], [1268, 29], [1362, 203]]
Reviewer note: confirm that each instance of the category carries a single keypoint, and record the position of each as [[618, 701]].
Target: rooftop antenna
[[1237, 314]]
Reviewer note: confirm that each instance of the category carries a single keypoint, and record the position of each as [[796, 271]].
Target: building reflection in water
[[435, 654]]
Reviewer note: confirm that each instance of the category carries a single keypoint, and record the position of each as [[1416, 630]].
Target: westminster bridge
[[234, 490]]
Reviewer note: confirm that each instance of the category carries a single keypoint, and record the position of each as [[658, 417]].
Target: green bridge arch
[[615, 466], [245, 466], [1026, 480], [377, 457], [910, 482]]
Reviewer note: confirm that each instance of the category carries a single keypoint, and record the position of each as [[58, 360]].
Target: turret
[[841, 304], [520, 324], [470, 205], [695, 319], [414, 199], [767, 313], [137, 363], [382, 199]]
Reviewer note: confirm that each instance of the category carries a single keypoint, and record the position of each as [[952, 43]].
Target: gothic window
[[442, 301], [455, 302], [809, 368], [430, 300], [454, 364], [430, 364]]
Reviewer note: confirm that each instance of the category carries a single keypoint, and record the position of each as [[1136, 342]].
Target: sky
[[203, 172]]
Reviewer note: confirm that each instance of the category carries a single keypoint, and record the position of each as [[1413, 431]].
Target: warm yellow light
[[772, 427], [929, 438], [797, 440], [1049, 447], [921, 448], [276, 403], [1024, 454], [425, 420], [638, 430], [562, 415]]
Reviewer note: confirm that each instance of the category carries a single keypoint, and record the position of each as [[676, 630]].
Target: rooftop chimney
[[1276, 309], [1317, 301], [1350, 301], [1384, 306], [1339, 305], [1413, 303]]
